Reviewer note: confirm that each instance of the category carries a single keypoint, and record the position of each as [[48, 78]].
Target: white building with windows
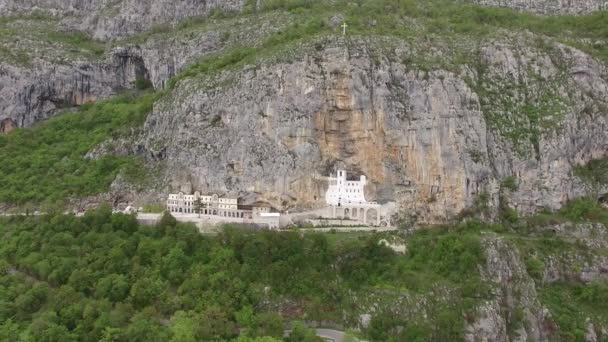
[[345, 199], [344, 192], [221, 209], [187, 204]]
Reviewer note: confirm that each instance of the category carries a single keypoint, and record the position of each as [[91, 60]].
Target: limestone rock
[[110, 19], [515, 292], [552, 7], [425, 140], [29, 95]]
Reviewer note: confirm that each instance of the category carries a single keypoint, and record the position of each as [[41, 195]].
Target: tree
[[126, 223], [183, 327], [243, 338], [145, 290], [268, 324], [244, 317], [45, 328], [302, 333], [111, 335], [9, 331], [198, 206], [213, 324], [449, 325], [113, 287], [30, 301], [82, 280], [174, 265], [145, 327], [167, 220]]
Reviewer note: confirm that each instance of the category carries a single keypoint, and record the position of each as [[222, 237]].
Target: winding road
[[330, 334]]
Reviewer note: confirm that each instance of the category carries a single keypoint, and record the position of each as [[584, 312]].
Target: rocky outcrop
[[277, 129], [30, 95], [34, 92], [514, 313], [424, 139], [552, 7], [110, 19], [547, 112]]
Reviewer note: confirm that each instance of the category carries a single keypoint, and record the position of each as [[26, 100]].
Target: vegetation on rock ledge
[[46, 163]]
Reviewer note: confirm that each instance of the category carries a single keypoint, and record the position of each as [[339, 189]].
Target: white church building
[[342, 192], [346, 199]]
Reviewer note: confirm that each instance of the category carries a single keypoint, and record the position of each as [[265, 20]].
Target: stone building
[[346, 200], [223, 209], [342, 191], [187, 204]]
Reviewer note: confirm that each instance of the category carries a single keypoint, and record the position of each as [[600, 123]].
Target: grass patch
[[154, 208], [438, 18], [594, 173], [242, 55], [77, 42], [584, 209], [43, 39]]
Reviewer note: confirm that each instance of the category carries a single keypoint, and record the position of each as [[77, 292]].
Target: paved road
[[333, 335], [328, 334], [349, 229]]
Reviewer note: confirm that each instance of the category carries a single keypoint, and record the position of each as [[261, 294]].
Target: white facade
[[272, 220], [344, 192], [220, 210], [182, 203]]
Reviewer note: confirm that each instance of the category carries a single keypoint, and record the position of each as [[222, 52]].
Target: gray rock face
[[30, 95], [110, 19], [33, 93], [515, 292], [423, 139], [552, 7]]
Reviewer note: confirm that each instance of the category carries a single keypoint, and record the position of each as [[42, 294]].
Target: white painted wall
[[344, 192]]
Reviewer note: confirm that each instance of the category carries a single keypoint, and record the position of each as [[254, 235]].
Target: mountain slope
[[439, 106]]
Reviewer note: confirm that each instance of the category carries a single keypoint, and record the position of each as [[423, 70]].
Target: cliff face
[[34, 91], [109, 19], [425, 140], [48, 79], [31, 95], [551, 7], [433, 140], [44, 76]]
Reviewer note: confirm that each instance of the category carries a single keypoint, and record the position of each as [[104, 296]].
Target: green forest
[[104, 277]]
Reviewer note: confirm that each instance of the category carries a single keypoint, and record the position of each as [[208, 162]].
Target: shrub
[[143, 84], [580, 209], [535, 267], [509, 183]]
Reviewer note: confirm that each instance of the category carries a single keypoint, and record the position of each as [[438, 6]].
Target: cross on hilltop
[[344, 26]]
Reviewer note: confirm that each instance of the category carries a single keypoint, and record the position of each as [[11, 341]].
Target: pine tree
[[198, 206]]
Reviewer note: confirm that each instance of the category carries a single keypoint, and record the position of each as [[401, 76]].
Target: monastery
[[224, 208], [346, 199]]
